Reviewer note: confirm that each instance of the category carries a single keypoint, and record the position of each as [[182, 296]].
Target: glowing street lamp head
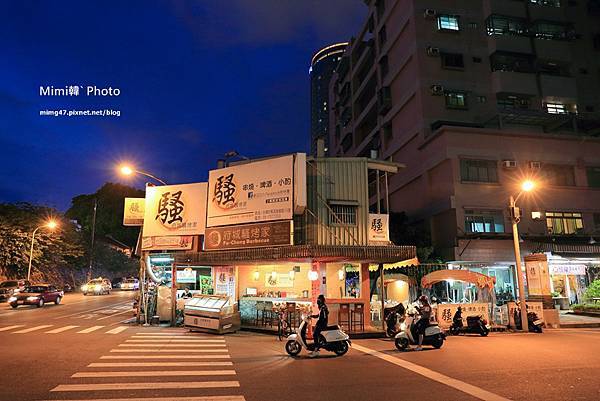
[[528, 185], [126, 170], [52, 224]]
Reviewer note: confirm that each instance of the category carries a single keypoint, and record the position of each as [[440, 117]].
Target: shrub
[[593, 290]]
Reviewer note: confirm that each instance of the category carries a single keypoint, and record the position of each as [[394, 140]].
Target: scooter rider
[[425, 312], [321, 323]]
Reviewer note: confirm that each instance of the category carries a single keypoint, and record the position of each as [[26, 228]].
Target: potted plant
[[557, 299]]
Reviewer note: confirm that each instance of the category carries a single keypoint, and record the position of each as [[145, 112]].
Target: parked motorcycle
[[392, 316], [408, 333], [475, 324], [533, 321], [332, 339]]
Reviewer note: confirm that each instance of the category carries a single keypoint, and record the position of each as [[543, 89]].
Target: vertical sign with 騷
[[133, 212], [379, 228]]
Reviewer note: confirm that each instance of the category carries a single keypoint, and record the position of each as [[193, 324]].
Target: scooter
[[475, 324], [392, 316], [332, 339], [535, 324], [408, 333]]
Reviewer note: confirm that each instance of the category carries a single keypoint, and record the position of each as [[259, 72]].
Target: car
[[10, 287], [98, 286], [38, 295], [130, 284]]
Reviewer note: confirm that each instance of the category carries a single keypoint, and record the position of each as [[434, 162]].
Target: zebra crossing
[[54, 329], [164, 372]]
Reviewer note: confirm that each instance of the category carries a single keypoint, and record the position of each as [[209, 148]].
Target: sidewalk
[[570, 320]]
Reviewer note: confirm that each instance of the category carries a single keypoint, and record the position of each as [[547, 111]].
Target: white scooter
[[408, 332], [332, 339]]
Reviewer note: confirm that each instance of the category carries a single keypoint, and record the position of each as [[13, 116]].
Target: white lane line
[[115, 314], [144, 386], [11, 327], [155, 373], [61, 329], [162, 333], [175, 337], [201, 398], [221, 356], [174, 341], [467, 388], [166, 350], [173, 345], [29, 330], [155, 364], [117, 330], [90, 329]]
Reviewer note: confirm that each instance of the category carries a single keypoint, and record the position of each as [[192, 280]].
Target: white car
[[97, 286], [131, 284]]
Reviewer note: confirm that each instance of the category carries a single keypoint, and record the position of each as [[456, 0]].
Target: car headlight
[[84, 288], [12, 299], [32, 298]]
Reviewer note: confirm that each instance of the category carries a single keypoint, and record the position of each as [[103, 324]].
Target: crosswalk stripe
[[174, 341], [159, 333], [61, 329], [11, 327], [201, 398], [155, 364], [29, 330], [170, 350], [117, 330], [173, 345], [90, 329], [153, 373], [221, 356], [144, 386], [178, 337]]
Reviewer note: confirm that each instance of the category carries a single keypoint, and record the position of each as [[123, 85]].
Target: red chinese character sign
[[175, 210]]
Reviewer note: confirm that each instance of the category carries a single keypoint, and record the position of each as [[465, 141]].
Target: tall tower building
[[322, 66]]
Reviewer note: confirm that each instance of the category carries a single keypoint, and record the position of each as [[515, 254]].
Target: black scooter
[[535, 324], [391, 317], [475, 324]]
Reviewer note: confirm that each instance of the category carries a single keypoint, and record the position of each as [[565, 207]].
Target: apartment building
[[475, 96]]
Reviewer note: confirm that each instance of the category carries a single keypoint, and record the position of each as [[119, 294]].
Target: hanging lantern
[[313, 275], [256, 275], [292, 273], [340, 274], [273, 275]]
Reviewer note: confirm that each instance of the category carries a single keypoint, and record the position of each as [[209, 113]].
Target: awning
[[387, 266], [480, 280]]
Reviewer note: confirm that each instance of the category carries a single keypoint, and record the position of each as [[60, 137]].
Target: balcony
[[556, 86], [514, 82], [513, 8], [509, 43], [553, 49], [541, 12]]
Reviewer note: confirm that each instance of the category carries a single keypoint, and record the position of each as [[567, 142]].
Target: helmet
[[423, 298], [321, 299]]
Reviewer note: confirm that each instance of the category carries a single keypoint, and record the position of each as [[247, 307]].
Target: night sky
[[197, 79]]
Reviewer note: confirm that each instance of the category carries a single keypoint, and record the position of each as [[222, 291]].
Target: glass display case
[[215, 313]]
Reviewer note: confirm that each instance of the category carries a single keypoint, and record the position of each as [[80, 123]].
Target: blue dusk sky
[[196, 79]]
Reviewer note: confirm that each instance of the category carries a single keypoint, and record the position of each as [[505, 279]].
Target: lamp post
[[515, 216], [51, 225]]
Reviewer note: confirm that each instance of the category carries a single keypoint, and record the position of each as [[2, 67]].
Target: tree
[[404, 233]]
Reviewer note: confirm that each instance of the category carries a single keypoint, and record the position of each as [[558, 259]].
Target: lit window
[[448, 23], [556, 108], [564, 222], [484, 221], [456, 100]]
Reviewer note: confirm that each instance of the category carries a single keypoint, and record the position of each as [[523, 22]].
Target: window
[[549, 3], [448, 23], [477, 59], [593, 177], [479, 170], [484, 221], [341, 214], [452, 61], [557, 174], [505, 25], [553, 30], [556, 108], [551, 67], [512, 62], [456, 100], [564, 222], [509, 102], [481, 99]]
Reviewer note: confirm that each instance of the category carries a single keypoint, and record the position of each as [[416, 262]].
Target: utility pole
[[515, 216], [93, 237]]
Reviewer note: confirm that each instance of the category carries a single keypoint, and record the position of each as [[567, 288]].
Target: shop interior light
[[340, 274], [536, 215], [273, 275], [313, 275], [292, 273], [256, 275]]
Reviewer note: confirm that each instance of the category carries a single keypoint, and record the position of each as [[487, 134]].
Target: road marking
[[201, 398], [155, 364], [174, 341], [90, 329], [115, 314], [154, 373], [29, 330], [173, 345], [117, 330], [11, 327], [144, 386], [467, 388], [221, 356], [91, 310], [61, 329], [166, 350], [177, 337], [161, 333]]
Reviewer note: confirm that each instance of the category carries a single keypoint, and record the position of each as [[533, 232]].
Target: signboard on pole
[[251, 192], [175, 210], [249, 236], [379, 228], [171, 243], [538, 277], [133, 212]]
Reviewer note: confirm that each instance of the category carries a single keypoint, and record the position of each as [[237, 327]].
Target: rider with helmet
[[425, 312], [321, 323]]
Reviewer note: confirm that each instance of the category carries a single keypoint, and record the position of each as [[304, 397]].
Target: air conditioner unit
[[433, 51], [437, 90], [509, 163], [429, 13], [535, 165]]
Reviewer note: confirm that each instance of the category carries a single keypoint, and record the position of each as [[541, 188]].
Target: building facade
[[474, 97], [322, 67]]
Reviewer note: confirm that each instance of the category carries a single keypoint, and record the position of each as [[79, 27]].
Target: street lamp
[[515, 216], [128, 170], [51, 225]]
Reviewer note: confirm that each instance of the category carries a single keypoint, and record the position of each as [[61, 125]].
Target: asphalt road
[[45, 358]]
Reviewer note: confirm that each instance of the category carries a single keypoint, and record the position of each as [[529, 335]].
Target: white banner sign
[[252, 192], [170, 243], [175, 210], [133, 212], [379, 228], [577, 270], [187, 275]]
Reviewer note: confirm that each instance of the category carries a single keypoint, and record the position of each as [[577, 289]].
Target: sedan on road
[[97, 286], [130, 284], [10, 287], [37, 295]]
